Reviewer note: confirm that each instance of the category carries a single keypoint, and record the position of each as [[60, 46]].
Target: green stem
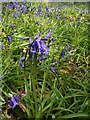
[[28, 96], [34, 83]]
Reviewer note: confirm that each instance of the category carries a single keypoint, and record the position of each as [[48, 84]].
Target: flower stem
[[34, 84]]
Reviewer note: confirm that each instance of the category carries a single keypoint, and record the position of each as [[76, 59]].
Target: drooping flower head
[[47, 9], [14, 100], [39, 10], [53, 68], [38, 46], [49, 34], [21, 61], [9, 38], [62, 53], [0, 76], [37, 49], [1, 46]]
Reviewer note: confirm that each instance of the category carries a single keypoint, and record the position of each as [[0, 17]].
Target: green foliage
[[64, 94]]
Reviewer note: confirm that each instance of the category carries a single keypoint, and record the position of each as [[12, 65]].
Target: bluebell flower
[[10, 6], [41, 58], [38, 23], [57, 10], [47, 9], [43, 48], [15, 5], [31, 57], [54, 63], [12, 26], [52, 38], [9, 38], [15, 15], [21, 64], [53, 68], [24, 9], [18, 12], [57, 18], [25, 38], [1, 46], [13, 101], [0, 76], [24, 2], [22, 58], [38, 46], [35, 46], [39, 10], [49, 34], [12, 33], [1, 18], [9, 0], [62, 53], [37, 36], [44, 40], [66, 48], [23, 94], [0, 9], [71, 19], [71, 47]]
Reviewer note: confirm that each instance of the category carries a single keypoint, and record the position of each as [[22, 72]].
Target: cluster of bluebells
[[20, 8], [14, 100], [37, 47], [39, 12]]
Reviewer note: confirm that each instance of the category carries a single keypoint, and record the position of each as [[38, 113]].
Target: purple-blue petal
[[44, 39], [24, 38], [30, 42], [1, 46], [49, 34], [9, 38], [21, 64], [41, 58], [71, 46], [63, 53], [57, 18], [23, 95], [12, 26], [47, 9], [54, 63], [13, 102], [31, 56], [0, 76], [37, 36], [53, 69], [22, 58]]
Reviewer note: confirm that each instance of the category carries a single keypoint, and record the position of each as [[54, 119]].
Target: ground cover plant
[[44, 60]]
